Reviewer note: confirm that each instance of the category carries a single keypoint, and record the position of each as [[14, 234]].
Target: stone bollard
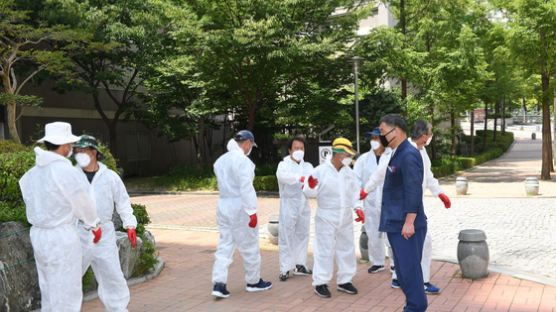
[[272, 228], [473, 254], [531, 186], [363, 245], [461, 186]]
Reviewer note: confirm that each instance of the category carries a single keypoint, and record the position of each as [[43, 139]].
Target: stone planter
[[473, 254], [272, 228], [531, 186], [363, 245], [19, 282], [461, 186]]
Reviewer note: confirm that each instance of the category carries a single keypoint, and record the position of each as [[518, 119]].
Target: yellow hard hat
[[342, 145]]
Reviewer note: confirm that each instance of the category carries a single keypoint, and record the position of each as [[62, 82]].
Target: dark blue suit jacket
[[403, 190]]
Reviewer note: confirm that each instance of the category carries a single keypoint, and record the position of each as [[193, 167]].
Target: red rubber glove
[[362, 194], [445, 200], [132, 237], [312, 182], [253, 220], [302, 179], [97, 233], [360, 215]]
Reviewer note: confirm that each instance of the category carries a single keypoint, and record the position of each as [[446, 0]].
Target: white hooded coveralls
[[237, 201], [55, 196], [337, 195], [429, 182], [365, 165], [295, 213], [108, 191]]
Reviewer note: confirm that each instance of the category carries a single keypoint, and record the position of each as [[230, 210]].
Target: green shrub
[[109, 160], [449, 165], [9, 213], [87, 279], [266, 183], [266, 169], [187, 178], [140, 213], [147, 259], [12, 167], [7, 146]]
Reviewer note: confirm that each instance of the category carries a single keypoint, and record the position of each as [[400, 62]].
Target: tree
[[24, 54], [275, 66], [123, 39], [533, 42]]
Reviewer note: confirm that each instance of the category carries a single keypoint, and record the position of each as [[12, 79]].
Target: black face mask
[[383, 140]]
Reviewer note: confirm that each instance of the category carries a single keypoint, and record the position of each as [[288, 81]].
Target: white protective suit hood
[[44, 158], [232, 146]]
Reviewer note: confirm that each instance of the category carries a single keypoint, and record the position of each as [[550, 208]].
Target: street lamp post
[[356, 60]]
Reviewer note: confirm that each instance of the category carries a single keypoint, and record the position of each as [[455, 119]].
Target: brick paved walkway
[[184, 285]]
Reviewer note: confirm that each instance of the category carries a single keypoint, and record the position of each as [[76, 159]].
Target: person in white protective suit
[[236, 216], [421, 136], [108, 191], [295, 213], [365, 165], [56, 196], [336, 188]]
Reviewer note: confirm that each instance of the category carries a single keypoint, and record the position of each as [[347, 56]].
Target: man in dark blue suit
[[402, 216]]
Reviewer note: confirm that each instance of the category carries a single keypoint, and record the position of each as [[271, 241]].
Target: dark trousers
[[407, 255]]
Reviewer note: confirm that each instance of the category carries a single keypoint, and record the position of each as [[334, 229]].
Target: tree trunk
[[472, 149], [554, 147], [113, 144], [546, 136], [524, 110], [504, 115], [12, 126], [403, 28], [433, 143], [251, 123], [496, 112], [202, 146], [486, 127], [453, 131]]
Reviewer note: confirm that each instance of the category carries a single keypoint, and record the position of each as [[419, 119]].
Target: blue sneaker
[[260, 286], [431, 289], [220, 291], [396, 284]]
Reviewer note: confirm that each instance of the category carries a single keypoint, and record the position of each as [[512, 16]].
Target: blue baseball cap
[[376, 131], [243, 135]]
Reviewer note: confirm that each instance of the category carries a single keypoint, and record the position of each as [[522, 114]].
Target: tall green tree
[[275, 66], [122, 41], [533, 42], [25, 40]]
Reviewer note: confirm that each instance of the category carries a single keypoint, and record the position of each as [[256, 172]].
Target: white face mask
[[375, 145], [83, 160], [298, 155], [347, 161], [428, 141], [249, 151], [69, 153]]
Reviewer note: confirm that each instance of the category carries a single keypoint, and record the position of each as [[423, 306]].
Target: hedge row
[[449, 165]]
